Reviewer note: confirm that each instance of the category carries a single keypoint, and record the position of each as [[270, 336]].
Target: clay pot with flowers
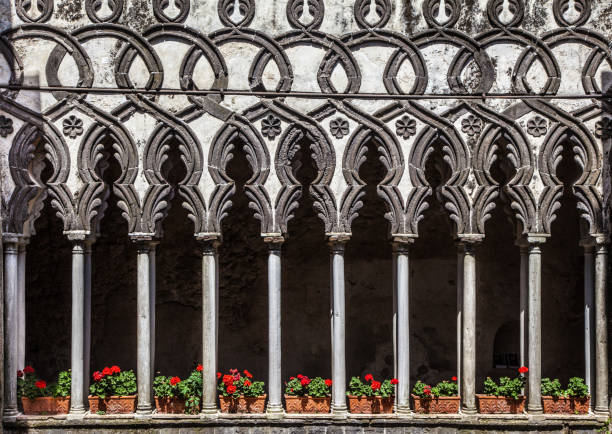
[[505, 396], [371, 397], [305, 395], [176, 396], [573, 400], [441, 398], [113, 391], [239, 393], [38, 398]]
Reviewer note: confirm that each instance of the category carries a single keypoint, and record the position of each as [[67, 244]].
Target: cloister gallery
[[414, 191]]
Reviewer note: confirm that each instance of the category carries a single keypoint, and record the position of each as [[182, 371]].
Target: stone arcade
[[480, 86]]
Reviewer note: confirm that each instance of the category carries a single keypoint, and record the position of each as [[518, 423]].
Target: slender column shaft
[[403, 330], [21, 300], [210, 300], [459, 312], [468, 379], [143, 328], [395, 316], [601, 330], [338, 403], [77, 398], [275, 404], [152, 290], [589, 319], [524, 283], [87, 320], [534, 404], [11, 284]]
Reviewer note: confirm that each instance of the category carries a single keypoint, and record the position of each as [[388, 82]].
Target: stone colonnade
[[596, 363]]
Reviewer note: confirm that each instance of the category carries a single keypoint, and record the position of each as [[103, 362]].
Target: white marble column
[[601, 330], [87, 320], [275, 384], [468, 377], [338, 320], [459, 312], [152, 292], [77, 397], [11, 288], [534, 377], [210, 326], [523, 305], [144, 372], [401, 253], [589, 319], [21, 302]]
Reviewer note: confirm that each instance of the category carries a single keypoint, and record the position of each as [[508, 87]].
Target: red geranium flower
[[174, 381], [97, 376], [41, 384], [368, 377], [231, 389], [218, 375], [523, 370], [394, 381], [427, 390], [292, 378], [107, 371], [300, 376], [233, 371], [199, 368], [328, 382], [305, 381], [248, 374], [375, 385], [454, 378], [20, 374], [115, 369], [247, 383], [28, 370], [228, 379]]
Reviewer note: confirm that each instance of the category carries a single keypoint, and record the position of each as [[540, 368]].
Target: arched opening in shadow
[[178, 282], [433, 284], [563, 281], [305, 289], [506, 346], [369, 279], [243, 313], [498, 300], [113, 280], [48, 285]]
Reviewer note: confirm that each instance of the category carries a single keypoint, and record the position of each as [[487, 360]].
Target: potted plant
[[442, 398], [303, 395], [37, 398], [113, 391], [504, 397], [573, 400], [176, 396], [371, 396], [238, 393]]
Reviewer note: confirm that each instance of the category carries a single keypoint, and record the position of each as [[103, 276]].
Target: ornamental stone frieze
[[267, 78]]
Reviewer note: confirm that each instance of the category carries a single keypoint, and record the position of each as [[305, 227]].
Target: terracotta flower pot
[[307, 404], [569, 405], [440, 404], [169, 405], [500, 404], [242, 404], [112, 404], [46, 405], [370, 404]]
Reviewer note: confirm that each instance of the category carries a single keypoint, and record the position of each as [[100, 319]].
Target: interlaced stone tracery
[[405, 75]]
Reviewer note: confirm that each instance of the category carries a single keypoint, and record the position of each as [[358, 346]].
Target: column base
[[275, 411], [403, 410], [10, 413], [535, 410], [469, 410], [144, 410], [211, 412], [339, 411], [77, 413], [601, 411]]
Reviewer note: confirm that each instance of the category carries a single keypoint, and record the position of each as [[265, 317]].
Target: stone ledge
[[319, 424]]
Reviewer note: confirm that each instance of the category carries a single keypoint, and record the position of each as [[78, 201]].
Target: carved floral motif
[[73, 127], [405, 127], [339, 128], [603, 129], [472, 126], [271, 127], [537, 126], [6, 126]]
